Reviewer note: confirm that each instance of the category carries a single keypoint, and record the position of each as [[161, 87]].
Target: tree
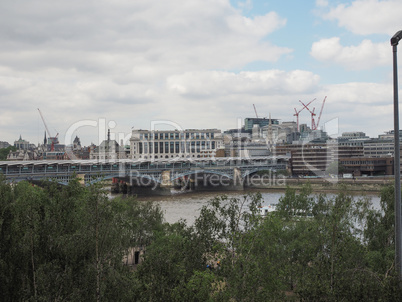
[[68, 243], [170, 262], [5, 151]]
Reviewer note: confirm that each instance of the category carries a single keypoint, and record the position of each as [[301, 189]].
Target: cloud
[[364, 56], [100, 36], [89, 59], [219, 83], [321, 3], [363, 107], [365, 17]]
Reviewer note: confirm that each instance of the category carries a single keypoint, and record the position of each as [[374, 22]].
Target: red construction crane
[[297, 113], [314, 126]]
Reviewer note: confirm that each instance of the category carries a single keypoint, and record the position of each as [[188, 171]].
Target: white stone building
[[190, 143]]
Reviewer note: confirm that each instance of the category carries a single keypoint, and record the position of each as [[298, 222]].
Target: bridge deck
[[66, 168]]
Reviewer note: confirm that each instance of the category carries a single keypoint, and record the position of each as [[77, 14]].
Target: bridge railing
[[93, 167]]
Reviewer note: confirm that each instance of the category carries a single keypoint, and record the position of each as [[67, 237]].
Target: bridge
[[148, 174]]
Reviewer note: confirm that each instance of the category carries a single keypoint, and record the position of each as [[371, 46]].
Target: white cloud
[[171, 34], [365, 17], [321, 3], [268, 82], [89, 59], [247, 4], [363, 107], [259, 26], [364, 56]]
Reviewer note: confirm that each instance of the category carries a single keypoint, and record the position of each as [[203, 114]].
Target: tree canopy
[[70, 243]]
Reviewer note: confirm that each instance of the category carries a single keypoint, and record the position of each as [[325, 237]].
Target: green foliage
[[68, 243], [5, 151], [380, 233], [169, 263], [314, 248]]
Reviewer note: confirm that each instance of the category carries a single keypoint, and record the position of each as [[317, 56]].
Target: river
[[187, 206]]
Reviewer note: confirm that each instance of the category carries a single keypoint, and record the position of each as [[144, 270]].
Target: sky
[[193, 64]]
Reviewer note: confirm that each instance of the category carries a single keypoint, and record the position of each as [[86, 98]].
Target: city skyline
[[199, 64]]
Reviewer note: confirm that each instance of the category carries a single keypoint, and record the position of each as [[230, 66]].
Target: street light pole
[[397, 171]]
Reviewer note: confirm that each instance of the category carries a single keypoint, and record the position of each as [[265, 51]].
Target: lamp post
[[398, 222]]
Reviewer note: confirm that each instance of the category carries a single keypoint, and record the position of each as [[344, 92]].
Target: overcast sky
[[192, 63]]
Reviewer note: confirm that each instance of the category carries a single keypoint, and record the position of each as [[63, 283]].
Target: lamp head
[[395, 39]]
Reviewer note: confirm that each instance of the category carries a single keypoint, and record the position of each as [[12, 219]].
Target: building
[[314, 159], [353, 139], [22, 144], [282, 133], [108, 150], [379, 148], [190, 143], [22, 154], [249, 122], [4, 145], [77, 144], [246, 149], [390, 135], [369, 166]]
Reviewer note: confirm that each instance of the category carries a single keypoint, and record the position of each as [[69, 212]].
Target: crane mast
[[255, 110], [298, 112], [322, 107], [54, 140], [44, 123]]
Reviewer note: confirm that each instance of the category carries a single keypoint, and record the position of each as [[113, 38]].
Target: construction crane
[[322, 107], [314, 126], [255, 110], [298, 112], [54, 140]]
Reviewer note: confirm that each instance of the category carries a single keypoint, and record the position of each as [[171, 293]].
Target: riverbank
[[358, 185]]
